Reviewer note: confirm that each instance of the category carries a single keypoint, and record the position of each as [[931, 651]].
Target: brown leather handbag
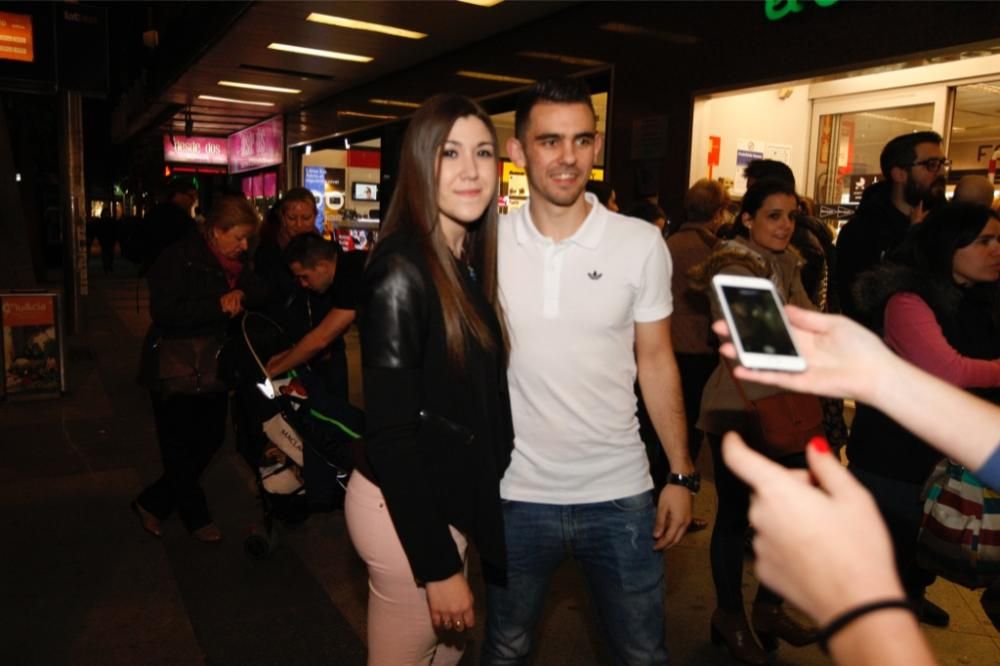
[[189, 366], [782, 424]]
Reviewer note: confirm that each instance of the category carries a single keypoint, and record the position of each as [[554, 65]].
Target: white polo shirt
[[572, 307]]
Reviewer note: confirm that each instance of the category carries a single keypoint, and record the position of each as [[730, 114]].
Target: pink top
[[912, 331]]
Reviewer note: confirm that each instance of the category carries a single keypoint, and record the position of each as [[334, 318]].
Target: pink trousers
[[400, 632]]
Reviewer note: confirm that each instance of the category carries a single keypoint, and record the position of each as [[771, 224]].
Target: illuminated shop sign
[[195, 150], [16, 40], [779, 9], [256, 147]]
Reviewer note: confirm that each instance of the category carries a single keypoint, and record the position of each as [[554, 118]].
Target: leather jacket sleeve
[[393, 325]]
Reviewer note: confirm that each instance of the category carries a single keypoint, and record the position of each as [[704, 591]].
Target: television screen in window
[[365, 191]]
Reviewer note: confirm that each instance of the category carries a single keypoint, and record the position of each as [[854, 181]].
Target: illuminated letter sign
[[779, 9]]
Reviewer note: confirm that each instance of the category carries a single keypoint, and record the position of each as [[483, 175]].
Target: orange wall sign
[[28, 310], [16, 40]]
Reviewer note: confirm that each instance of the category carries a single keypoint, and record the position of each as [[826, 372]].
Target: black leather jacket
[[437, 439]]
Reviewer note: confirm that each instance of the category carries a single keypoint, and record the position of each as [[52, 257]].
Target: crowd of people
[[540, 385]]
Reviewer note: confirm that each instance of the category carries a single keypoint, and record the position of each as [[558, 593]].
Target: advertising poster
[[32, 359], [859, 183], [17, 41], [256, 147], [314, 180], [747, 150]]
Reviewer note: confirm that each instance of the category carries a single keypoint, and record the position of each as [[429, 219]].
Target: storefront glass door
[[848, 135]]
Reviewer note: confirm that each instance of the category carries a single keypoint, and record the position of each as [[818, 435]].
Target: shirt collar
[[588, 235]]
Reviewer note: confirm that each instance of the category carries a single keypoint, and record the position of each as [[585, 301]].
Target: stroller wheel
[[260, 545]]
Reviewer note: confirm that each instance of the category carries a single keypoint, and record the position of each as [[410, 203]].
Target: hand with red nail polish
[[822, 546]]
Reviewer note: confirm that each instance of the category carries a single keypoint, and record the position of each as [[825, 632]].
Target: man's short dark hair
[[310, 249], [558, 91], [771, 169], [902, 151]]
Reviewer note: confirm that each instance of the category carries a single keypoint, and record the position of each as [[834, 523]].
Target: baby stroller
[[295, 435]]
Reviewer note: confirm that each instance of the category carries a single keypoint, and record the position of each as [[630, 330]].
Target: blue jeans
[[613, 541]]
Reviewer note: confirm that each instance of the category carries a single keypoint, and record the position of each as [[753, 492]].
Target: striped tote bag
[[959, 535]]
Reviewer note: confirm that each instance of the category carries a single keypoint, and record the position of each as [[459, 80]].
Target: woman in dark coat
[[197, 287], [936, 304], [439, 430]]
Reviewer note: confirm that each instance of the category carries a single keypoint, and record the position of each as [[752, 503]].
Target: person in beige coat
[[760, 249]]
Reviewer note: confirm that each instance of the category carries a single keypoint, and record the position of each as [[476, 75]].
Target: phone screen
[[758, 321]]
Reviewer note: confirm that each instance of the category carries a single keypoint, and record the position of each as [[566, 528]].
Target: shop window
[[974, 148], [849, 145]]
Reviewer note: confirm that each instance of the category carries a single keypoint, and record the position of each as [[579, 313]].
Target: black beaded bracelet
[[847, 617]]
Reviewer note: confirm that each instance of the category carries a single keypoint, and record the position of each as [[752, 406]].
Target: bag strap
[[739, 386]]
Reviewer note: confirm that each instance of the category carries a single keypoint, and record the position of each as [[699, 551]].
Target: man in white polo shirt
[[587, 298]]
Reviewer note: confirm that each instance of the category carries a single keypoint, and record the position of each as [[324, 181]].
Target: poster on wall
[[31, 344], [779, 152], [747, 150], [314, 180], [859, 182]]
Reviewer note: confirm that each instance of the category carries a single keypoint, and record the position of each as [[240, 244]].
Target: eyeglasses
[[933, 163]]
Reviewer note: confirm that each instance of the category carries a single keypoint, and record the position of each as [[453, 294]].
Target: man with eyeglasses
[[914, 169]]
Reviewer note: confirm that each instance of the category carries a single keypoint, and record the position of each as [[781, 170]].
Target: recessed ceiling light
[[565, 59], [395, 102], [359, 114], [234, 101], [320, 53], [255, 86], [352, 24], [482, 3], [486, 76]]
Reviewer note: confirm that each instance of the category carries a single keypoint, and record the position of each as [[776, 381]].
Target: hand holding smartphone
[[757, 323]]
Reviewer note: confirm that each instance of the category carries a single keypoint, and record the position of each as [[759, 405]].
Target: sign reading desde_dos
[[256, 147], [195, 150], [16, 39]]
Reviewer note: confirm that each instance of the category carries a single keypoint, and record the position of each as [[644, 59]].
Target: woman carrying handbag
[[760, 248], [197, 288]]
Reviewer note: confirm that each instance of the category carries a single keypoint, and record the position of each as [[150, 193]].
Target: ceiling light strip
[[234, 101], [394, 102], [487, 76], [360, 114], [482, 3], [352, 24], [319, 53], [257, 86]]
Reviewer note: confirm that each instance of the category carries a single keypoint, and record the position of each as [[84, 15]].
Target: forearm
[[889, 637], [660, 382], [303, 351], [312, 343], [930, 408]]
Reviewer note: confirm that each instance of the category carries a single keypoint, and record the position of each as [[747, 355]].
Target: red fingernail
[[819, 444]]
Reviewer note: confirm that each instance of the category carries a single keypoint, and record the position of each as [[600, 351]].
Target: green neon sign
[[779, 9]]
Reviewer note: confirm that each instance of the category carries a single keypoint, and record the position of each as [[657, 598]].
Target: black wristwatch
[[690, 481]]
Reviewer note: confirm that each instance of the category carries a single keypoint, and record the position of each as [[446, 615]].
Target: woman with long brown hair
[[439, 432]]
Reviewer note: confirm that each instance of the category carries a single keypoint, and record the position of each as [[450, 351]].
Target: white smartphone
[[757, 323]]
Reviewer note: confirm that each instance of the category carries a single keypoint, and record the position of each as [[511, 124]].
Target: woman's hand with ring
[[450, 602]]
